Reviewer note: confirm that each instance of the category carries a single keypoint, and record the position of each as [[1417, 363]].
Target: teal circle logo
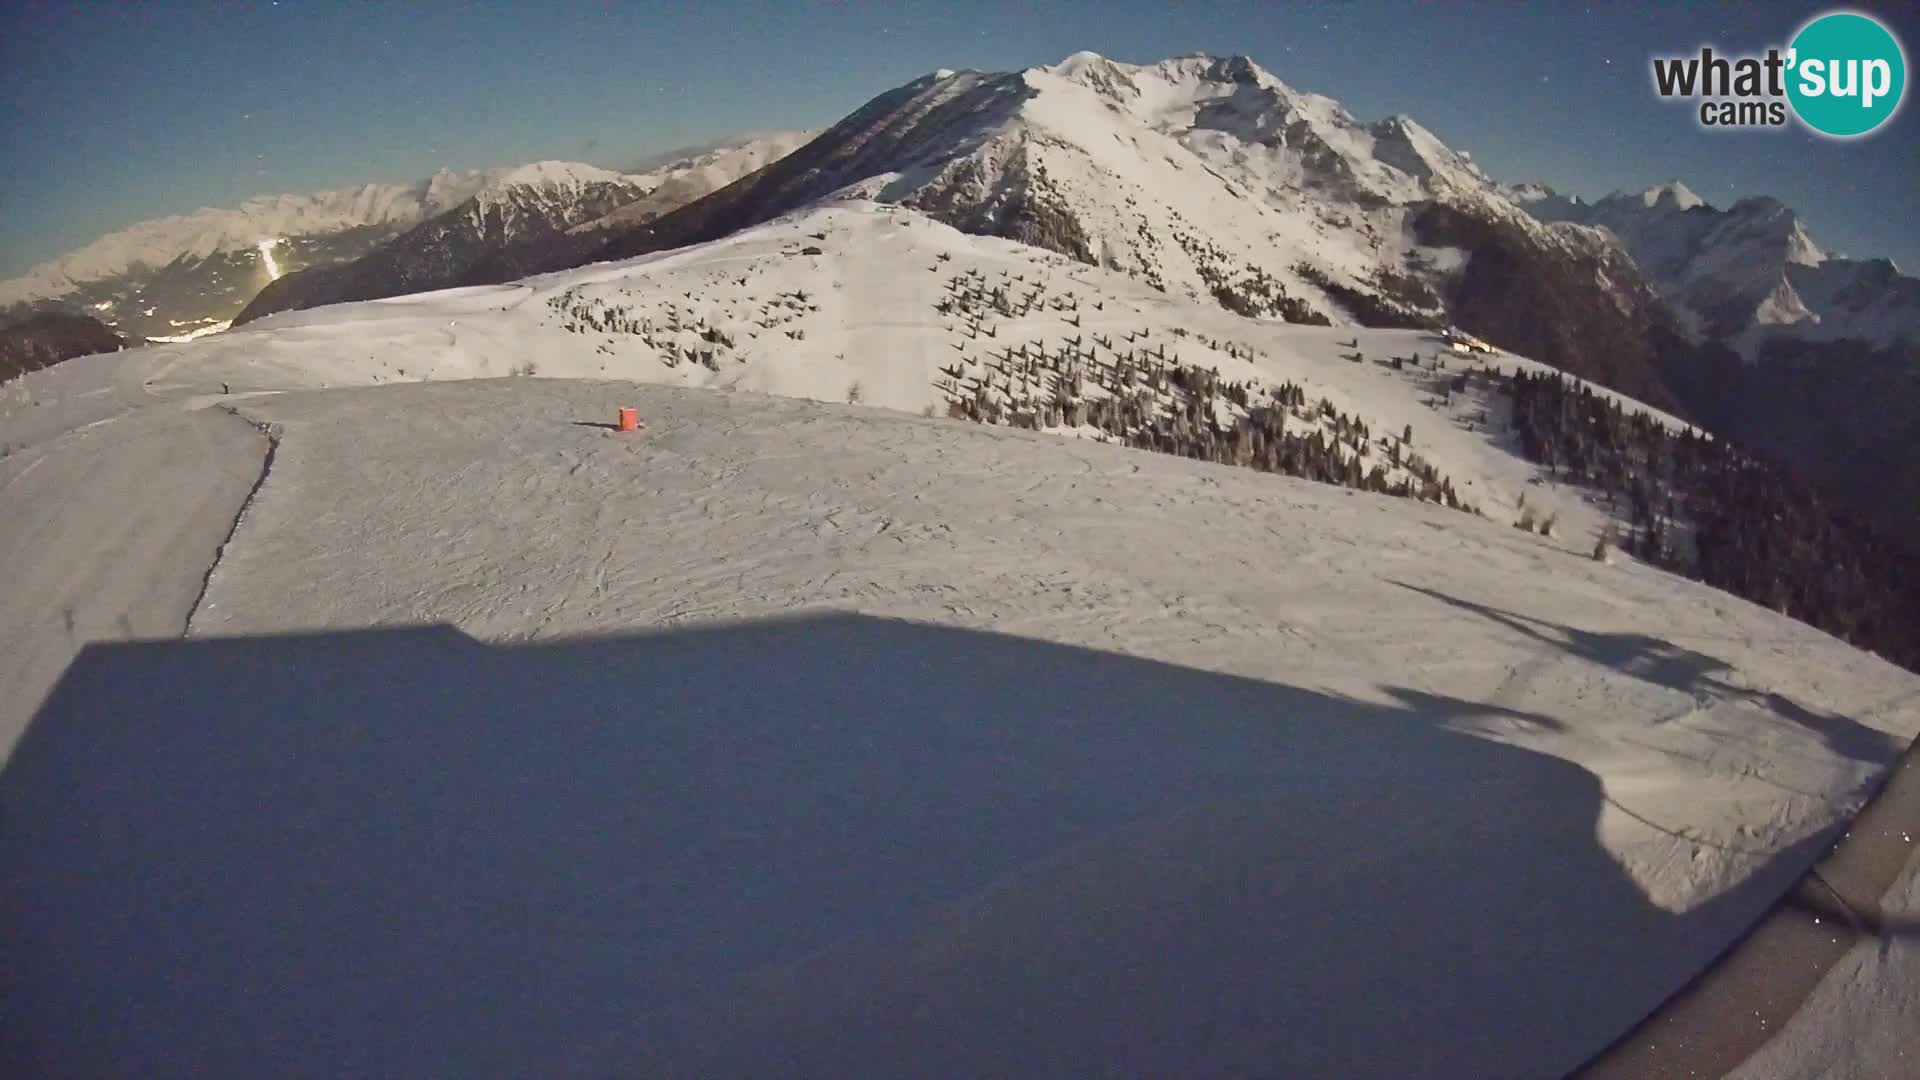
[[1846, 74]]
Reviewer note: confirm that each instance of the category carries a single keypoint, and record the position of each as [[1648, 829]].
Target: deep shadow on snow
[[1663, 663], [830, 845]]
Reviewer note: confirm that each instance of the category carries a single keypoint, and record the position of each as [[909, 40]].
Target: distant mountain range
[[174, 275], [178, 276], [539, 217], [487, 238], [1748, 273]]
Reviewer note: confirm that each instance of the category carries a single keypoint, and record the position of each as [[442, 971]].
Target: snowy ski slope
[[1477, 802]]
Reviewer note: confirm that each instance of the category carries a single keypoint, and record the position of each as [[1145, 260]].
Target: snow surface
[[1861, 1021], [1442, 798], [130, 576]]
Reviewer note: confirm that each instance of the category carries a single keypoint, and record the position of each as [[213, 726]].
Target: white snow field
[[784, 737], [1860, 1022]]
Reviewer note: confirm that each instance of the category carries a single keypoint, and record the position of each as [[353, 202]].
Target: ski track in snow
[[93, 555]]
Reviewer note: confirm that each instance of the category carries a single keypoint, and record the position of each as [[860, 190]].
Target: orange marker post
[[629, 419]]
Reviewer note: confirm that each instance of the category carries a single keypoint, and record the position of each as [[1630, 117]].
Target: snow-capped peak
[[551, 181], [555, 174], [1672, 194], [1419, 153], [1167, 88], [1199, 174], [1228, 69], [1771, 221], [1084, 60], [1244, 120], [448, 188]]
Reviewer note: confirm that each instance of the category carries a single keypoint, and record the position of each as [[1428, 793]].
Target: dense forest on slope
[[1705, 508]]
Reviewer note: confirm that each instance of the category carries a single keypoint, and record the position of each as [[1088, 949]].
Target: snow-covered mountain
[[1208, 176], [1192, 173], [1749, 272], [528, 219]]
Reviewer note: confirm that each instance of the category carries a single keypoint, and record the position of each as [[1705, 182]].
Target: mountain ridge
[[533, 218], [159, 241], [183, 274], [1748, 271]]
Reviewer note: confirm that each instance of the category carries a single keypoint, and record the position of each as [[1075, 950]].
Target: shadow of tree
[[1660, 662], [814, 846]]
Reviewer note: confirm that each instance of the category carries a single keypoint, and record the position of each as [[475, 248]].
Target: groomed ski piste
[[372, 706]]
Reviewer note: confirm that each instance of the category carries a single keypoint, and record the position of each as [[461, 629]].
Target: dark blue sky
[[114, 113]]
